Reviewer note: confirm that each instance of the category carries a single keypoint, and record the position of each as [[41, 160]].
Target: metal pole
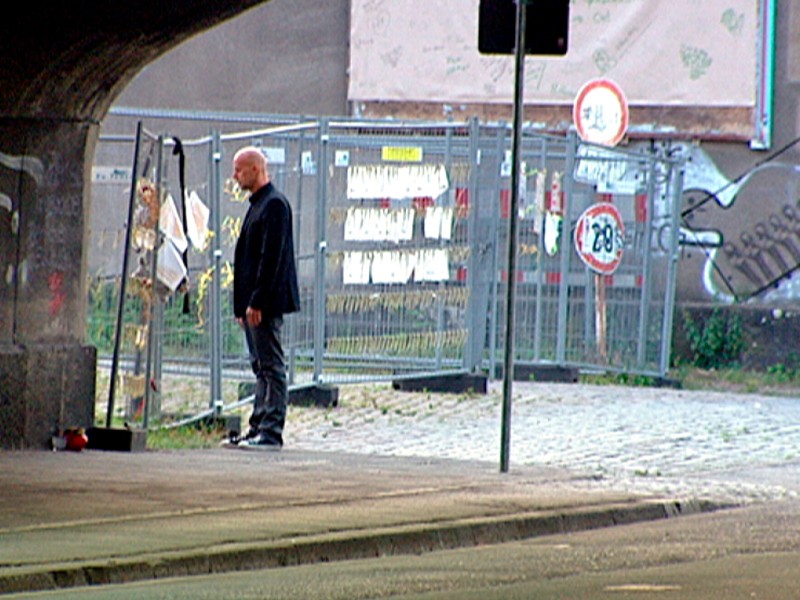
[[472, 356], [124, 279], [291, 324], [508, 370], [564, 268], [321, 256], [540, 277], [150, 307], [495, 244], [215, 299], [676, 182], [644, 301]]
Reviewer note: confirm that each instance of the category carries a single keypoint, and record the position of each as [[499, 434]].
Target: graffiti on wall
[[9, 211], [746, 231], [18, 262]]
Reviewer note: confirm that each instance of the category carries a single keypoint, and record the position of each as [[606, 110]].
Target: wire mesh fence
[[401, 239]]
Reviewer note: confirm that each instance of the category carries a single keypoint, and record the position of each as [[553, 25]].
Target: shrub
[[716, 342]]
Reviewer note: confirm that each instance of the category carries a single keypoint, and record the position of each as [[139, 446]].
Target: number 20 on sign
[[600, 237]]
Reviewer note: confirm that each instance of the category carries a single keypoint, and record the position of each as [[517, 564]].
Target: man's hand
[[253, 316]]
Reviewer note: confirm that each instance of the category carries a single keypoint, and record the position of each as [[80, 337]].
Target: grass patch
[[187, 437], [777, 381], [773, 382], [627, 379]]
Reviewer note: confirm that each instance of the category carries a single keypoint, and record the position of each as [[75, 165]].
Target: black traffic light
[[546, 26]]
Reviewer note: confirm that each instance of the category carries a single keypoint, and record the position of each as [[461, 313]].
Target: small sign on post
[[599, 241], [600, 112], [600, 237], [546, 31]]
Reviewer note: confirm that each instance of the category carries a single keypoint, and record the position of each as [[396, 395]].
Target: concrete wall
[[286, 56]]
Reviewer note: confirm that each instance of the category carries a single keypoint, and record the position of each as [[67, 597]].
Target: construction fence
[[401, 236]]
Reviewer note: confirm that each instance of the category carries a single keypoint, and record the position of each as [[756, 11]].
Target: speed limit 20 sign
[[600, 237]]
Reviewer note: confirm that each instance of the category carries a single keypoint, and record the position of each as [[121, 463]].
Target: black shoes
[[259, 441], [252, 440], [251, 434]]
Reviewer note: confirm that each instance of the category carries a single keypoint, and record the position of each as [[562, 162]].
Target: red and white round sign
[[600, 112], [600, 237]]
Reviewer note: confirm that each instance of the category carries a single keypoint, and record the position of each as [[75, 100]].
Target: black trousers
[[267, 360]]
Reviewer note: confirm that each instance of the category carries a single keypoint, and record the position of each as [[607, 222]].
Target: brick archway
[[62, 66]]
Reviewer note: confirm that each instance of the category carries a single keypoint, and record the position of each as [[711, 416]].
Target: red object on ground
[[76, 439]]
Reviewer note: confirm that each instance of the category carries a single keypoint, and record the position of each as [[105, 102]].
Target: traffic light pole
[[511, 269]]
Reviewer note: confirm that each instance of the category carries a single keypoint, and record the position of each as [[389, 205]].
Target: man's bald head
[[250, 168]]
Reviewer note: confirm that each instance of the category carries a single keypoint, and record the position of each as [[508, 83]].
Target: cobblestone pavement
[[739, 447]]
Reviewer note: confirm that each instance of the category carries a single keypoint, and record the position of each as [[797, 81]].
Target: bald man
[[264, 289]]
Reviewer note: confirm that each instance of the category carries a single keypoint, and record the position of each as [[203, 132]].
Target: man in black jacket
[[264, 289]]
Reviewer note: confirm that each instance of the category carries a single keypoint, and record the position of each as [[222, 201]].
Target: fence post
[[675, 180], [565, 246], [153, 309], [644, 307], [539, 281], [215, 296], [474, 342], [495, 365], [322, 223]]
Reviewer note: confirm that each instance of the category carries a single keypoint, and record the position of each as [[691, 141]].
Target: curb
[[416, 538]]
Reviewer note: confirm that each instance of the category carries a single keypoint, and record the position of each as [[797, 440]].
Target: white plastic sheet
[[170, 224]]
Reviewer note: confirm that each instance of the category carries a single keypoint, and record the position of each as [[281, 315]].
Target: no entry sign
[[600, 112], [600, 237]]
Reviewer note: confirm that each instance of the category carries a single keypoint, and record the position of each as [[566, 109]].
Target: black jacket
[[264, 274]]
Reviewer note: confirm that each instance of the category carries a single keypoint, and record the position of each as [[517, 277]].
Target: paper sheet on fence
[[379, 224], [197, 215], [432, 265], [392, 266], [395, 266], [396, 181], [356, 268], [170, 269], [438, 223], [170, 224]]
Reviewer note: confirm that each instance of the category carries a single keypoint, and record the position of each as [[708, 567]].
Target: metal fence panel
[[292, 152], [396, 249], [401, 234], [569, 313]]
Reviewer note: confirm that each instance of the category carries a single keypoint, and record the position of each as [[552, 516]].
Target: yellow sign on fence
[[402, 153]]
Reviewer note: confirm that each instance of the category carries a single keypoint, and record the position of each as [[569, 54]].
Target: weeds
[[189, 437], [627, 379], [716, 342]]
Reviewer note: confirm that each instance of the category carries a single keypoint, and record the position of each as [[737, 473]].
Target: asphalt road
[[745, 553]]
